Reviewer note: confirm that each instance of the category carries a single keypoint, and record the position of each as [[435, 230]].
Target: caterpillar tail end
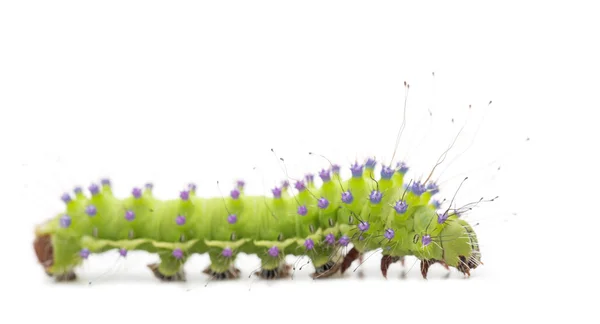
[[44, 250]]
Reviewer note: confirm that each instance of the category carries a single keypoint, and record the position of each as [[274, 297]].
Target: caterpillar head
[[443, 236]]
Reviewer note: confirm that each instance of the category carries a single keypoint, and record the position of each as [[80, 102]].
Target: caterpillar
[[334, 224]]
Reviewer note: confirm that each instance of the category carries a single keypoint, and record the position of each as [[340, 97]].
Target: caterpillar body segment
[[367, 211]]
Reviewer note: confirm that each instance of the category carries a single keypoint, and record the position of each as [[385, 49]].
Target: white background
[[180, 91]]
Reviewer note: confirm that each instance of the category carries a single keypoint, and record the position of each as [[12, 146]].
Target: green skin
[[263, 222]]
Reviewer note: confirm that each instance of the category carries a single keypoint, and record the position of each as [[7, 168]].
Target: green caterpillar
[[397, 216]]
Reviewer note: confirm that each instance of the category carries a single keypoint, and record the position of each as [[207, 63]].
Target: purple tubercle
[[136, 192], [77, 190], [91, 210], [370, 164], [227, 252], [276, 192], [129, 215], [323, 203], [123, 252], [418, 188], [274, 251], [363, 226], [426, 240], [184, 195], [436, 203], [302, 210], [344, 240], [401, 207], [389, 234], [235, 193], [232, 218], [105, 182], [433, 188], [65, 221], [177, 253], [310, 178], [442, 217], [325, 175], [347, 197], [84, 253], [149, 186], [387, 172], [180, 220], [375, 196], [299, 185], [240, 184], [285, 184], [357, 170], [401, 167], [335, 169], [94, 189], [192, 187], [309, 244], [330, 239], [66, 198]]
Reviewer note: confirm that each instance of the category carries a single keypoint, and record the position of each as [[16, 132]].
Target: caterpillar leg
[[349, 258], [221, 267], [327, 261], [170, 268], [387, 260], [228, 274], [281, 271], [64, 277], [464, 266], [177, 276], [272, 260], [326, 270], [425, 264]]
